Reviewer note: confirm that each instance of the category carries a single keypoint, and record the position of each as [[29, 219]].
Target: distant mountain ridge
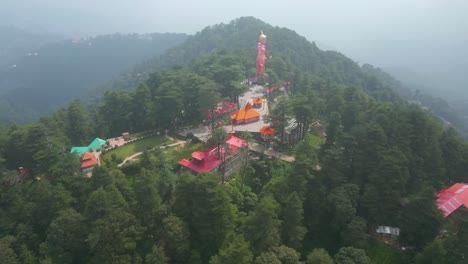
[[285, 46], [42, 81], [15, 43]]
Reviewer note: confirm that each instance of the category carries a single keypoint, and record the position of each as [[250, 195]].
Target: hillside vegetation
[[381, 163]]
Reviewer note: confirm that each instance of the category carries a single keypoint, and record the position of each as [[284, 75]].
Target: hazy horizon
[[426, 37]]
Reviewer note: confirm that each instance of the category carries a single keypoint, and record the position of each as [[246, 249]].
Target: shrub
[[196, 140], [114, 157], [190, 135]]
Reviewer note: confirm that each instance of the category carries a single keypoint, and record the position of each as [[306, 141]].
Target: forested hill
[[15, 43], [415, 94], [286, 47], [44, 79], [380, 162]]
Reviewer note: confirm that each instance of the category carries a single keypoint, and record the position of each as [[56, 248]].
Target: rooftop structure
[[388, 231], [79, 150], [89, 157], [88, 161], [257, 102], [449, 200], [267, 130], [97, 144], [223, 107], [208, 160], [245, 115]]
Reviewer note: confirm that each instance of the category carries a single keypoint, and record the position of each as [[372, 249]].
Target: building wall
[[235, 162], [87, 169]]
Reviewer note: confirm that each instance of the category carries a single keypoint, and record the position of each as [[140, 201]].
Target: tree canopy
[[379, 162]]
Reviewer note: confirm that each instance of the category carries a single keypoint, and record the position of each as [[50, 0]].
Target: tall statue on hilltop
[[261, 57]]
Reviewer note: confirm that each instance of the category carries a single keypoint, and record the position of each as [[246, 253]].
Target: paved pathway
[[269, 152], [201, 132], [248, 96]]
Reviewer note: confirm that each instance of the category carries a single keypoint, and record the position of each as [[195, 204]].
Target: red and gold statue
[[261, 57]]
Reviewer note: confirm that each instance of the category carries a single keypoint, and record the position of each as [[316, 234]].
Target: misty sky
[[428, 37]]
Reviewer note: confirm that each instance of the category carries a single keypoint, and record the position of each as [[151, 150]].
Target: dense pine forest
[[381, 163]]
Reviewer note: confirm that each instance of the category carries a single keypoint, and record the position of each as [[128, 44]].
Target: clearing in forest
[[138, 146]]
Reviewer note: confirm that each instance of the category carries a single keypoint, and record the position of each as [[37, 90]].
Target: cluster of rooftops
[[89, 156], [211, 159]]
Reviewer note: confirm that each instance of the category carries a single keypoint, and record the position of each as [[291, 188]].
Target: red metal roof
[[210, 160], [198, 155], [223, 107], [452, 198], [209, 163], [235, 143]]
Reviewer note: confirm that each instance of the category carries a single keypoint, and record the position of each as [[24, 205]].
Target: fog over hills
[[420, 42], [15, 43], [427, 37], [46, 78]]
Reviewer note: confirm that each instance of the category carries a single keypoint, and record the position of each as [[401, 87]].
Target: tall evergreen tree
[[262, 227], [293, 230], [78, 124], [176, 239], [350, 255], [207, 209], [420, 219], [319, 256], [236, 252], [65, 242], [114, 238]]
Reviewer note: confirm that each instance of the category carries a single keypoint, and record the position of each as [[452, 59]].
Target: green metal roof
[[79, 150], [96, 144]]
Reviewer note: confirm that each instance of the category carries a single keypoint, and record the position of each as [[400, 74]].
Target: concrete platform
[[252, 93]]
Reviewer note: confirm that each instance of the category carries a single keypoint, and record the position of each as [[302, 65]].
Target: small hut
[[267, 133], [257, 102]]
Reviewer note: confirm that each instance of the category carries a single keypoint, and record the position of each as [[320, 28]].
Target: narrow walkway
[[269, 152]]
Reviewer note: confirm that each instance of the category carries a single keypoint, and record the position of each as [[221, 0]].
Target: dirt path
[[132, 157]]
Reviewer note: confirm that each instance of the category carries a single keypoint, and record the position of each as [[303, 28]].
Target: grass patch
[[314, 140], [175, 154], [138, 146], [382, 253]]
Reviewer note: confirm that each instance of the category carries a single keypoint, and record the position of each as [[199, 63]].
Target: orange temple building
[[245, 115]]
